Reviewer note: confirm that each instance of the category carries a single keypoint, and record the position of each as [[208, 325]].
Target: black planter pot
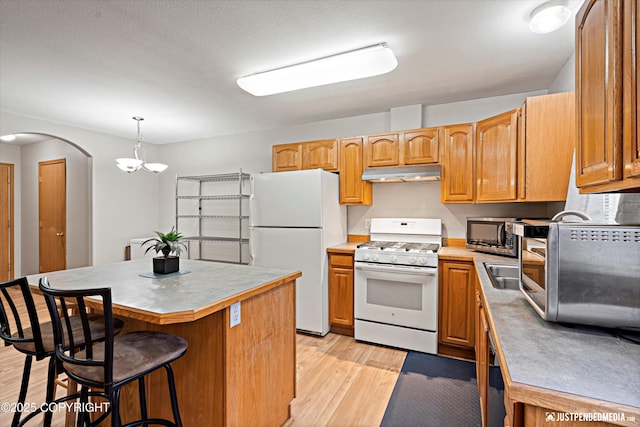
[[162, 265]]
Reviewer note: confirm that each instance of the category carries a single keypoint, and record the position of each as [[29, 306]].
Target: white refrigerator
[[295, 216]]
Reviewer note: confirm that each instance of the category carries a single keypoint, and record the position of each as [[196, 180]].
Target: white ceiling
[[95, 64]]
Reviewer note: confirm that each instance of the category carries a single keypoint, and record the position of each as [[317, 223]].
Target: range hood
[[402, 173]]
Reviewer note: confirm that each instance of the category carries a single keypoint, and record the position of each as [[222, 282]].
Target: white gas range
[[396, 284]]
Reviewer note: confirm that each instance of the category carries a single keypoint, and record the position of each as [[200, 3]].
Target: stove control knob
[[365, 257], [374, 257], [394, 258], [422, 261], [412, 260]]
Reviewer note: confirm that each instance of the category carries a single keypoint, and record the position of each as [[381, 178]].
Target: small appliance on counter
[[491, 236], [581, 272]]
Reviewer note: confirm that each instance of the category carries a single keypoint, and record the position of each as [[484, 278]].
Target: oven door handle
[[425, 271]]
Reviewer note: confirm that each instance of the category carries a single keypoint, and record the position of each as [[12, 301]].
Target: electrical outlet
[[367, 223], [234, 315]]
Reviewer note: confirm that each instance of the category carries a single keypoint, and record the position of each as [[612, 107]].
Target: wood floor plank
[[340, 382]]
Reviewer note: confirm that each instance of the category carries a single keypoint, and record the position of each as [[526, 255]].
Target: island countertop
[[571, 364], [229, 367], [204, 288]]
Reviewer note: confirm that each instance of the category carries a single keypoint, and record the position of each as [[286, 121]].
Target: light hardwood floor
[[340, 382]]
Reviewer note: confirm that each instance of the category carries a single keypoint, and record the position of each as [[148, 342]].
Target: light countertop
[[581, 361], [206, 288]]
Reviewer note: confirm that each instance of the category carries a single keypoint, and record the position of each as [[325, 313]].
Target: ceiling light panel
[[352, 65]]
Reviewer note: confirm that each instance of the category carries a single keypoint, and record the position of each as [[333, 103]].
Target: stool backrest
[[98, 355], [19, 317]]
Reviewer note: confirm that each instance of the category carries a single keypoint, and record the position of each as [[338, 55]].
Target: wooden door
[[382, 150], [52, 202], [457, 289], [496, 158], [457, 165], [320, 154], [599, 92], [420, 147], [631, 114], [6, 222], [286, 157], [341, 293], [353, 190]]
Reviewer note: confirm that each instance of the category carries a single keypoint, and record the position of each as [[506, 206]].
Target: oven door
[[396, 295]]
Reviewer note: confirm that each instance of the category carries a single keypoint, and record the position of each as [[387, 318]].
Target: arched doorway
[[26, 153]]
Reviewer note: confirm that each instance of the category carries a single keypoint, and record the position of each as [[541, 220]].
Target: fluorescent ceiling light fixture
[[8, 138], [356, 64], [549, 16]]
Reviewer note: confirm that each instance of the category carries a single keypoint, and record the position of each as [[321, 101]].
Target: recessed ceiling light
[[549, 16], [356, 64], [8, 138]]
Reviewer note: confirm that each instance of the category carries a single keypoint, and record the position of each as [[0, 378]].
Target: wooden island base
[[237, 376]]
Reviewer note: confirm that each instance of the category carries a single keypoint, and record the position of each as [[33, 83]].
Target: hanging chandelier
[[139, 157]]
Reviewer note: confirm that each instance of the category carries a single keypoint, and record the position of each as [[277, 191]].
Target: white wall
[[78, 224], [124, 205], [565, 81]]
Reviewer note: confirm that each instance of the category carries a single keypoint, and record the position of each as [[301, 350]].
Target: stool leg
[[143, 400], [51, 387], [172, 395], [115, 408], [26, 372]]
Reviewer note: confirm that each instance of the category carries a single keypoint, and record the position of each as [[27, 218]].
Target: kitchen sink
[[503, 276]]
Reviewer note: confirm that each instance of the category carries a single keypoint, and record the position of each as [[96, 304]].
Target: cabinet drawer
[[341, 260]]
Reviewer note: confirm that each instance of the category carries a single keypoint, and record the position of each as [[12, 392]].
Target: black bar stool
[[20, 327], [113, 363]]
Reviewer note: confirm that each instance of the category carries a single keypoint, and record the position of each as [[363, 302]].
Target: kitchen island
[[240, 375], [555, 371]]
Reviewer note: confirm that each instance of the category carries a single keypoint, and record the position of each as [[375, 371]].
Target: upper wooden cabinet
[[457, 164], [322, 154], [497, 158], [608, 157], [420, 146], [382, 150], [631, 91], [353, 190], [546, 142], [414, 147], [286, 157]]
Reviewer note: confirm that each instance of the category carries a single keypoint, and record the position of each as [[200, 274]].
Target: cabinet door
[[631, 114], [353, 190], [382, 150], [420, 147], [320, 154], [341, 293], [482, 363], [457, 290], [457, 165], [286, 157], [598, 92], [547, 147], [496, 158]]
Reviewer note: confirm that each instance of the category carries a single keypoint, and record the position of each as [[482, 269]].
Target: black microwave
[[490, 235]]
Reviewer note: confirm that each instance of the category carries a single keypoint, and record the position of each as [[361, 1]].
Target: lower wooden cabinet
[[483, 351], [341, 293], [456, 308]]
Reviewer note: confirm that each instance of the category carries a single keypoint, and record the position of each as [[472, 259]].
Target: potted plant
[[167, 243]]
